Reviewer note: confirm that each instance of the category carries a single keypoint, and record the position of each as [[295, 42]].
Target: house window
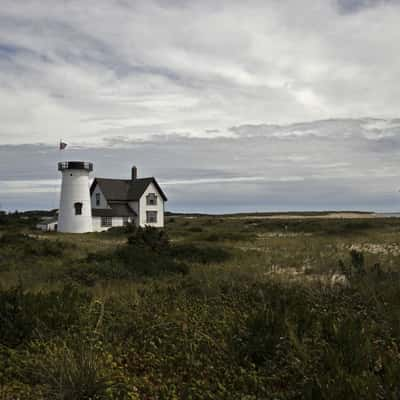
[[78, 208], [151, 199], [151, 217], [97, 199], [106, 221], [125, 221]]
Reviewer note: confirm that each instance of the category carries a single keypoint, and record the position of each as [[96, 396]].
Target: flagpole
[[56, 194], [61, 146]]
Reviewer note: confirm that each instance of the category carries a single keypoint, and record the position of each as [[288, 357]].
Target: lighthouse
[[75, 212]]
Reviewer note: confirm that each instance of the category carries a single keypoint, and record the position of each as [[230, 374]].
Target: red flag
[[63, 145]]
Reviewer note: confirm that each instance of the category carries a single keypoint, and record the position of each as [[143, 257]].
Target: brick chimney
[[134, 173]]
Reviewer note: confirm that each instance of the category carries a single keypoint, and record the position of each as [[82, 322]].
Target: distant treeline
[[269, 214], [30, 218], [30, 213]]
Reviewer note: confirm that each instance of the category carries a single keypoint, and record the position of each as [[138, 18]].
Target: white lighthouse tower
[[75, 212]]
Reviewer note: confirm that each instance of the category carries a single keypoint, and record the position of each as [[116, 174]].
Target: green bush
[[129, 228], [232, 236], [266, 331], [195, 229], [323, 226], [80, 368], [23, 313], [147, 253], [199, 254], [357, 261], [26, 245], [139, 261], [150, 238]]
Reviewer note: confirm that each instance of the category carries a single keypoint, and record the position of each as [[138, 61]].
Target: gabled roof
[[125, 189], [115, 210]]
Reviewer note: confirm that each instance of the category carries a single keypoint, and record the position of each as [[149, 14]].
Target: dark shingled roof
[[116, 210], [125, 189]]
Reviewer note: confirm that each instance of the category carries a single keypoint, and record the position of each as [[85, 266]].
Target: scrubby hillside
[[210, 308]]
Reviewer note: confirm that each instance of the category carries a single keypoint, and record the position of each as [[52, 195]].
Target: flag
[[63, 145]]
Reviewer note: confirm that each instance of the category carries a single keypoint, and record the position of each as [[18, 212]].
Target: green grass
[[215, 308]]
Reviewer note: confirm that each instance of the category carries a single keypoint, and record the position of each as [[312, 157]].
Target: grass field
[[210, 308]]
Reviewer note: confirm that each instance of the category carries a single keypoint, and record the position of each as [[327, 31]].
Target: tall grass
[[231, 327]]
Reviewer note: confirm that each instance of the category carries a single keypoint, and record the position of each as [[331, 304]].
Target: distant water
[[388, 215]]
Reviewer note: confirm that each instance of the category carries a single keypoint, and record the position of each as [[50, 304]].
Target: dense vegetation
[[210, 308]]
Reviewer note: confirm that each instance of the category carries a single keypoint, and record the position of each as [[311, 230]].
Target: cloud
[[230, 104], [327, 164], [352, 6], [236, 179], [99, 70], [11, 187]]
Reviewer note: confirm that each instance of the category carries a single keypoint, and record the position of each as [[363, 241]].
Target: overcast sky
[[231, 105]]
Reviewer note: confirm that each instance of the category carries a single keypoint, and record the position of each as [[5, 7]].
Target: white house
[[117, 202], [108, 202], [47, 224]]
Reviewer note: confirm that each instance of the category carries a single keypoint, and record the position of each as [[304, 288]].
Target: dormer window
[[151, 199], [78, 208], [97, 199]]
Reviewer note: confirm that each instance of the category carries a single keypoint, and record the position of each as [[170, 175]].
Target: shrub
[[195, 229], [121, 230], [147, 253], [232, 236], [145, 262], [151, 238], [115, 231], [78, 369], [88, 274], [229, 332], [21, 314], [266, 330], [197, 254], [357, 265], [212, 237], [329, 227], [31, 246], [357, 261]]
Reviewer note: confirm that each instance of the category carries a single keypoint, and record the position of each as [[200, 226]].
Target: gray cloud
[[328, 164], [352, 6], [87, 72], [207, 97]]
